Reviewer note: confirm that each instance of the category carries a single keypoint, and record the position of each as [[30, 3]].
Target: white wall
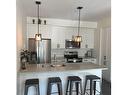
[[20, 30], [102, 44]]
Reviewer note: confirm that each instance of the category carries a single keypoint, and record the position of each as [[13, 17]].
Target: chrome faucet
[[55, 57]]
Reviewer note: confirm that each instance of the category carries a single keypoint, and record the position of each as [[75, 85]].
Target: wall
[[102, 44], [20, 30], [102, 23]]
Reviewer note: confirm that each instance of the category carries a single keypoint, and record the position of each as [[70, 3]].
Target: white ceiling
[[93, 10]]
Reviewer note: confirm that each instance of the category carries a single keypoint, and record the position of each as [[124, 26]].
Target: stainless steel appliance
[[72, 57], [42, 49], [71, 44]]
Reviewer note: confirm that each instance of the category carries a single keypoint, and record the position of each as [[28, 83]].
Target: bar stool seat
[[32, 82], [51, 81], [93, 79], [71, 80]]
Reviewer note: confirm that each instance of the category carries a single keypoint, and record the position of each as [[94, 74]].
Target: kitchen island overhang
[[43, 72], [61, 67]]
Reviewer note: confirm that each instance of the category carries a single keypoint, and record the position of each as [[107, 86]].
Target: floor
[[106, 88]]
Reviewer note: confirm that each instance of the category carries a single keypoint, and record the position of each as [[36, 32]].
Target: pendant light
[[38, 36], [78, 38]]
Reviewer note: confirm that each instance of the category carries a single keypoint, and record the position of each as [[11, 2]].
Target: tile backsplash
[[59, 53]]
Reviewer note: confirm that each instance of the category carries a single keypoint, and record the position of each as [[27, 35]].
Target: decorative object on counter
[[24, 58], [23, 62], [33, 21], [86, 46], [58, 45], [78, 38], [38, 36], [45, 22]]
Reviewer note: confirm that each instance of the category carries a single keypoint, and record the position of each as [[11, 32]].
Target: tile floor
[[106, 88]]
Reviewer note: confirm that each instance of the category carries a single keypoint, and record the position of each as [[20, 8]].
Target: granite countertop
[[60, 67]]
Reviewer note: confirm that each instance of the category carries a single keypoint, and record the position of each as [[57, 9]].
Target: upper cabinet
[[60, 30], [88, 38]]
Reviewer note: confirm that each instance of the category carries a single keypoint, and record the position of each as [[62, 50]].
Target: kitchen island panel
[[43, 77]]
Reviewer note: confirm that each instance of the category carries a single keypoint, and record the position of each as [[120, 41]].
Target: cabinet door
[[89, 38], [58, 37], [45, 30], [31, 30]]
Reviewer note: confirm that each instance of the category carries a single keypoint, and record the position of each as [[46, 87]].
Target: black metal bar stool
[[54, 80], [93, 79], [32, 82], [71, 80]]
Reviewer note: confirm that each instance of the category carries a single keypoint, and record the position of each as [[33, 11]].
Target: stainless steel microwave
[[71, 44]]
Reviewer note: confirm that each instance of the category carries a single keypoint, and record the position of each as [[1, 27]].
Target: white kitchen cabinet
[[32, 29], [58, 34], [92, 60], [87, 38], [58, 37]]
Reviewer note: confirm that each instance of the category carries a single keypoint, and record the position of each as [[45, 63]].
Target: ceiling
[[93, 10]]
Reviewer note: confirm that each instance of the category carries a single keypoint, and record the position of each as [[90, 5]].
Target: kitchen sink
[[58, 65], [54, 65]]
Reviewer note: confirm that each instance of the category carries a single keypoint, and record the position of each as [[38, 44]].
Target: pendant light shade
[[78, 38], [38, 36]]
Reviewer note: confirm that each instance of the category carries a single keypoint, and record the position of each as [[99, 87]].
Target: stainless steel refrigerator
[[42, 49]]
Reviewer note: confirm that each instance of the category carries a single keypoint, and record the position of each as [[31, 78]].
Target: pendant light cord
[[38, 18], [79, 23]]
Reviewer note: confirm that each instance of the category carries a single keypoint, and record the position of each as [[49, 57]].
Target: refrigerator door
[[43, 48]]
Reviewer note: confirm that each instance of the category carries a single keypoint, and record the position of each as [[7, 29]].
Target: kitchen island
[[62, 70]]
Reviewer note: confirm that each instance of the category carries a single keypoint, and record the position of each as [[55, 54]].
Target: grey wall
[[20, 30]]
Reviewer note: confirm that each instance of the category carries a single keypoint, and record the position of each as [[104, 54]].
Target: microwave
[[71, 44]]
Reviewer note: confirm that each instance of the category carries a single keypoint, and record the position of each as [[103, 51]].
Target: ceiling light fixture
[[38, 36], [78, 38]]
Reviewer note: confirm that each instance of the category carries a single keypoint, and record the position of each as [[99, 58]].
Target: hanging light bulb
[[38, 36], [78, 38]]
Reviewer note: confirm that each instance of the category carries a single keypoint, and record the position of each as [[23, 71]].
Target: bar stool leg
[[94, 87], [101, 86], [59, 89], [49, 89], [38, 90], [67, 87], [81, 87], [26, 90], [91, 87], [71, 87], [77, 88], [85, 86]]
